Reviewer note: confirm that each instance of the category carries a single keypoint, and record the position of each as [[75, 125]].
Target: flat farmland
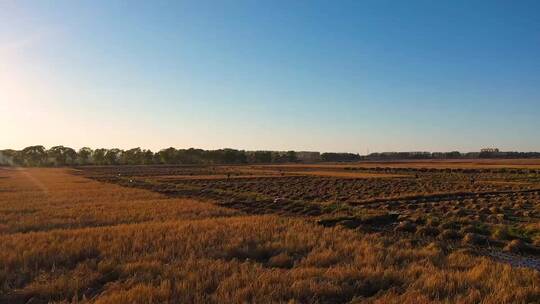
[[485, 208], [432, 163], [337, 233]]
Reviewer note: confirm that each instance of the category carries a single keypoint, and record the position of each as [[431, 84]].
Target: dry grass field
[[231, 234]]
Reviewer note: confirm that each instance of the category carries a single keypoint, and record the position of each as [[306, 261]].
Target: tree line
[[39, 156], [448, 155]]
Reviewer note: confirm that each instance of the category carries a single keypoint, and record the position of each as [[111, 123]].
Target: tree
[[113, 156], [70, 155], [230, 156], [99, 156], [84, 156], [340, 157], [147, 157], [168, 156], [34, 156], [133, 156], [291, 157], [262, 156], [62, 155], [10, 157], [191, 156]]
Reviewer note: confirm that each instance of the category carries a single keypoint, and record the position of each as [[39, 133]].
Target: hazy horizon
[[307, 76], [277, 150]]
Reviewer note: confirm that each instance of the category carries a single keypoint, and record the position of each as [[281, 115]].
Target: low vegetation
[[142, 235]]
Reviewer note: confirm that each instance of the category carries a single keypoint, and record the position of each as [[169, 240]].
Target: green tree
[[291, 157], [62, 155], [133, 156], [113, 156], [99, 156], [263, 156], [168, 156], [84, 156], [34, 156], [10, 157]]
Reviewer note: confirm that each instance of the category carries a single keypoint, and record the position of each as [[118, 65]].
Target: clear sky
[[303, 75]]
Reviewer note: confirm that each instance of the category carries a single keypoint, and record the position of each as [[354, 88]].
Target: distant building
[[306, 156], [489, 150]]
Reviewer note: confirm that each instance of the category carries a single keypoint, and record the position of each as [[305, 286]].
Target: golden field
[[65, 238]]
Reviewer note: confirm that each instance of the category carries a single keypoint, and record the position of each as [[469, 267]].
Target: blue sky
[[303, 75]]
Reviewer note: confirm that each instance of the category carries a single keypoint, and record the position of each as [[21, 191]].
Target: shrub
[[427, 231], [515, 246], [474, 239], [449, 234], [405, 226]]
